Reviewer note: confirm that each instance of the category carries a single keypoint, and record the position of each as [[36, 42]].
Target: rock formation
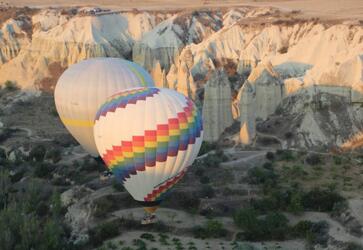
[[172, 77], [164, 42], [66, 41], [13, 37], [184, 79], [159, 76], [217, 113], [268, 89], [247, 117]]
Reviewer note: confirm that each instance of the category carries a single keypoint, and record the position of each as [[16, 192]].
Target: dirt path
[[251, 157]]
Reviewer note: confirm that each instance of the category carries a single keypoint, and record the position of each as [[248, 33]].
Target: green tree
[[295, 205], [246, 219]]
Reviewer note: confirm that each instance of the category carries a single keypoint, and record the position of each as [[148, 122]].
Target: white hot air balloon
[[83, 87], [148, 137]]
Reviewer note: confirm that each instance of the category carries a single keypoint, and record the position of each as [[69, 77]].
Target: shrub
[[285, 155], [37, 153], [199, 171], [206, 147], [353, 246], [288, 135], [147, 236], [268, 165], [321, 200], [212, 160], [259, 175], [337, 160], [270, 156], [246, 219], [103, 232], [11, 86], [272, 227], [2, 153], [43, 170], [117, 186], [275, 226], [42, 209], [207, 192], [184, 200], [302, 229], [313, 159], [295, 204], [212, 229], [204, 180], [54, 154]]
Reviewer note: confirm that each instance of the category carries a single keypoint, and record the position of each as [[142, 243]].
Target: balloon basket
[[149, 219]]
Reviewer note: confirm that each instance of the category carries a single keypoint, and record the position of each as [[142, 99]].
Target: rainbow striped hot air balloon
[[148, 137], [83, 87]]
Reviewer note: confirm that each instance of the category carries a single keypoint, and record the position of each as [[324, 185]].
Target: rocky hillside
[[284, 57]]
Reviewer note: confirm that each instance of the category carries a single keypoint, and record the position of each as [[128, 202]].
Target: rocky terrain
[[281, 96], [283, 55]]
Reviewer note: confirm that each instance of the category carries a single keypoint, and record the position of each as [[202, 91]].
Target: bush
[[313, 232], [275, 226], [272, 227], [42, 209], [206, 147], [295, 204], [268, 165], [353, 246], [103, 232], [2, 153], [259, 175], [207, 192], [11, 86], [246, 219], [148, 237], [37, 153], [337, 160], [55, 155], [117, 186], [313, 159], [321, 200], [43, 170], [212, 229], [204, 180], [199, 171], [285, 155], [183, 200], [212, 160], [302, 229], [270, 156]]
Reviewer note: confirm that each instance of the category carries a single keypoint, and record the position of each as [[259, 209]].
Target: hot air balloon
[[148, 137], [83, 87]]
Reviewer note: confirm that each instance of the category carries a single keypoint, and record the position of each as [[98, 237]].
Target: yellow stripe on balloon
[[136, 72], [163, 138], [174, 132], [138, 149], [150, 144], [183, 125], [128, 154], [77, 123]]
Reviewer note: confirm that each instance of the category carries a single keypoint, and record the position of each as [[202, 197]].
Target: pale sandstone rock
[[217, 113], [247, 114], [268, 88]]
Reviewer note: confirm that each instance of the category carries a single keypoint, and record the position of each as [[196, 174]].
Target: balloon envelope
[[148, 137], [83, 87]]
